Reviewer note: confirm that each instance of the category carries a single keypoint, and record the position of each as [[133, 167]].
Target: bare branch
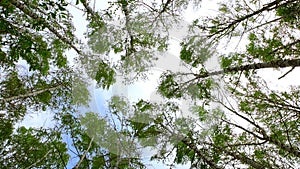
[[286, 73]]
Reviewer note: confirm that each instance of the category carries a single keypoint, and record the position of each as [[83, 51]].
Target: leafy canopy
[[236, 119]]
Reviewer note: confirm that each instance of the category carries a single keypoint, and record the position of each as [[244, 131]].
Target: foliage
[[236, 120], [98, 143], [196, 50], [27, 148]]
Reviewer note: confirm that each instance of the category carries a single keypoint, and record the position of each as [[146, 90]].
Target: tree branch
[[30, 13], [286, 73], [32, 165], [272, 64], [34, 93], [266, 7], [83, 156]]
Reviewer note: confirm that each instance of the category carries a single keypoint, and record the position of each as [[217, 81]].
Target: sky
[[137, 90]]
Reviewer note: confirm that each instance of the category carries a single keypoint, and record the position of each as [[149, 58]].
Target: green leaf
[[186, 54], [105, 76], [226, 62], [259, 154], [45, 97], [168, 87]]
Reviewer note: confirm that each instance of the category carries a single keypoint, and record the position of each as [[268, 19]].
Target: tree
[[40, 32], [37, 33], [28, 33], [28, 148]]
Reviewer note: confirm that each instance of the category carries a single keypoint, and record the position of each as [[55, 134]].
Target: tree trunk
[[273, 64], [34, 93]]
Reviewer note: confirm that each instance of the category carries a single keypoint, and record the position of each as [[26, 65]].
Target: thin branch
[[286, 73], [246, 160], [164, 9], [52, 20], [75, 6], [262, 131], [244, 129], [148, 6], [246, 144], [267, 7], [202, 155], [238, 81], [83, 156], [88, 8], [274, 20], [38, 161], [266, 137], [286, 129], [187, 141], [60, 156], [292, 150]]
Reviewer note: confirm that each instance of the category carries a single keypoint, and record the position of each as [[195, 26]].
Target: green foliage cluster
[[196, 50], [289, 14], [23, 35], [29, 146], [169, 87]]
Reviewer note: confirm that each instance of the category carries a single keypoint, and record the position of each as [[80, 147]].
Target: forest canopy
[[235, 117]]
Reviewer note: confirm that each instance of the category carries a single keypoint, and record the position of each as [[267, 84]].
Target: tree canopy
[[235, 119]]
